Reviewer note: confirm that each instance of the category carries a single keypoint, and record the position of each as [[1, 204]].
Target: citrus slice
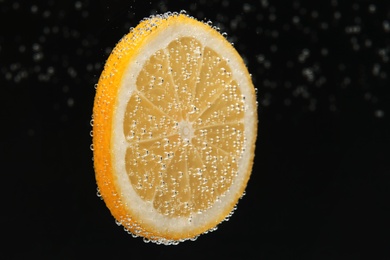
[[175, 124]]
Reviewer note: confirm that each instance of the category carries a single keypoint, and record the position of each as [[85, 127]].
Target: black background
[[320, 182]]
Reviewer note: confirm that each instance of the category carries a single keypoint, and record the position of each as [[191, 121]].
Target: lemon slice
[[175, 124]]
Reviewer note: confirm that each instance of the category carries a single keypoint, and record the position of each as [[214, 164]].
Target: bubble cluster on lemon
[[175, 125]]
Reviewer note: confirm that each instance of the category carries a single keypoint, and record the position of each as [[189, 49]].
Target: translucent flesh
[[183, 127]]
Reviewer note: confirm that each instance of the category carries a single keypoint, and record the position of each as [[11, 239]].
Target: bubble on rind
[[98, 194]]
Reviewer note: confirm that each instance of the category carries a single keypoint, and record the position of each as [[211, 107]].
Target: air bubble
[[213, 229], [379, 113], [372, 8], [98, 194], [386, 26], [194, 238]]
